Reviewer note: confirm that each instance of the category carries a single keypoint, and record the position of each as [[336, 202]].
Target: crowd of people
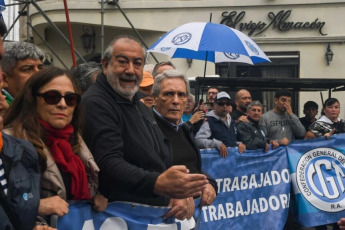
[[116, 133]]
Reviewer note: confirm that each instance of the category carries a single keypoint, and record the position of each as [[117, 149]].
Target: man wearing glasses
[[211, 95], [219, 131]]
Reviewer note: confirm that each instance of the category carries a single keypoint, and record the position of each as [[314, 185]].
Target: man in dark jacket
[[128, 146], [250, 133], [170, 93]]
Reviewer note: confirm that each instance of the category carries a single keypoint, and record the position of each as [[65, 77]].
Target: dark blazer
[[188, 132]]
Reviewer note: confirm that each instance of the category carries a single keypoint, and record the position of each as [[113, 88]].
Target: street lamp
[[88, 39], [329, 54], [48, 59]]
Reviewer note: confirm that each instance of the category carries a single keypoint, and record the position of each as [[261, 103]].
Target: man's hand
[[267, 147], [208, 195], [53, 205], [176, 182], [241, 148], [328, 135], [284, 141], [223, 151], [341, 223], [275, 144], [43, 227], [288, 108], [242, 118], [100, 203], [197, 116], [181, 208]]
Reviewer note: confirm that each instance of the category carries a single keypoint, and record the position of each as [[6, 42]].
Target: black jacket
[[251, 135], [21, 165], [127, 144], [188, 132]]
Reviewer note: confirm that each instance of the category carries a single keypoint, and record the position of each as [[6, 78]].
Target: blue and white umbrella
[[217, 42]]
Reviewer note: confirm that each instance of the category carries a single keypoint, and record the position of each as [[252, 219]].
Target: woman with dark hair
[[47, 113], [329, 122]]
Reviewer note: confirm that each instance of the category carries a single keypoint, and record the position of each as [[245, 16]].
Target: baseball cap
[[147, 80], [221, 95]]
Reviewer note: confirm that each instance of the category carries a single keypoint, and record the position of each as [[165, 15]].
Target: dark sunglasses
[[223, 103], [53, 97]]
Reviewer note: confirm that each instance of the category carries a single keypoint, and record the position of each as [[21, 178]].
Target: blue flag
[[254, 190], [318, 177], [120, 215]]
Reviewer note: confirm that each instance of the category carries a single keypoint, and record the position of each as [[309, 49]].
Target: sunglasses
[[223, 103], [53, 97]]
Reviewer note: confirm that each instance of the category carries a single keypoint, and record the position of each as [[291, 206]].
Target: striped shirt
[[3, 180]]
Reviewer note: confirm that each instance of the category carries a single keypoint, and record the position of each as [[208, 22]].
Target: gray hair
[[168, 74], [19, 51], [84, 72], [254, 103], [109, 50], [192, 96], [155, 69]]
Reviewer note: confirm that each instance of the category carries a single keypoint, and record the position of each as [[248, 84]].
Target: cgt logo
[[320, 176]]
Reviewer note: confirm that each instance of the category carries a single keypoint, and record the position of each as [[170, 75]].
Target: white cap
[[221, 95]]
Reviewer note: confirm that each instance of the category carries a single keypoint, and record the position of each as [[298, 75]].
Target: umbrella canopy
[[217, 42]]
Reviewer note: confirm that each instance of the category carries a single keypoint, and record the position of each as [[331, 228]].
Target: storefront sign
[[278, 21]]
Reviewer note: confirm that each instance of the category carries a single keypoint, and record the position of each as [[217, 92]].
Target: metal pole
[[14, 22], [27, 23], [56, 28], [70, 33], [49, 47], [102, 28], [137, 33]]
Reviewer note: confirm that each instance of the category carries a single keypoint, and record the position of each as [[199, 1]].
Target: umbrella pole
[[203, 81]]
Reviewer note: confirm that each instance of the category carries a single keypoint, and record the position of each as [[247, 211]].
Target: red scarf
[[61, 149]]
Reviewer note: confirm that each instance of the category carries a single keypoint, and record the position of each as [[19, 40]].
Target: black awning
[[272, 84]]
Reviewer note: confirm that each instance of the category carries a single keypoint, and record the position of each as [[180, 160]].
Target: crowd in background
[[115, 133]]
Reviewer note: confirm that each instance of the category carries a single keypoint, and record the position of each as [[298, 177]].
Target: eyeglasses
[[223, 103], [53, 97]]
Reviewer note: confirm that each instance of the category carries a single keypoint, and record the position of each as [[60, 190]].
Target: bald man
[[242, 100]]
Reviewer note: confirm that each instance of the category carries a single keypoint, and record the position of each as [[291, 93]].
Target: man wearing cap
[[146, 88], [219, 131]]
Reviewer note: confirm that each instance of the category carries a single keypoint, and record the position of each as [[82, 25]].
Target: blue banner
[[318, 176], [254, 190], [120, 215]]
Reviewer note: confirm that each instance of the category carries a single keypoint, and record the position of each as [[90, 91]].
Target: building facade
[[295, 34]]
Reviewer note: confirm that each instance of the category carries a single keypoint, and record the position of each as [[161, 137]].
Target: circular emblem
[[232, 56], [25, 196], [181, 38], [252, 47], [320, 177]]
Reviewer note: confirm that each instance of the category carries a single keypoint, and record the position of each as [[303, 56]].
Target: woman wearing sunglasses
[[47, 113]]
